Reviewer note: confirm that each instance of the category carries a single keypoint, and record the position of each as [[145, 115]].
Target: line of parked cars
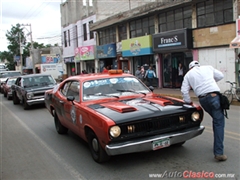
[[25, 89], [114, 112]]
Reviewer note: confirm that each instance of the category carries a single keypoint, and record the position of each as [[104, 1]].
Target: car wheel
[[59, 127], [98, 153], [179, 144], [25, 104], [15, 99]]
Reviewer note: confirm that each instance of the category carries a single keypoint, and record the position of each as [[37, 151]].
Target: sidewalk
[[177, 94]]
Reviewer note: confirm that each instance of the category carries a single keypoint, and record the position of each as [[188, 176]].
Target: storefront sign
[[106, 51], [68, 60], [84, 53], [137, 46], [173, 40], [119, 47]]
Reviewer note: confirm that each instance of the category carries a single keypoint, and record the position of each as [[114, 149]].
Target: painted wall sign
[[106, 51], [137, 46], [84, 53], [173, 40], [48, 58]]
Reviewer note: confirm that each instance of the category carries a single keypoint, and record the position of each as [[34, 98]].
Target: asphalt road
[[32, 149]]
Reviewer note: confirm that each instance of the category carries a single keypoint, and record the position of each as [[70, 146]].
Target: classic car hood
[[127, 110], [39, 88]]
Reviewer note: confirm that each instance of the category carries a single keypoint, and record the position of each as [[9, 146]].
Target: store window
[[214, 12], [175, 66], [91, 32], [107, 36], [142, 27], [65, 38], [175, 19], [122, 32], [85, 32], [69, 38]]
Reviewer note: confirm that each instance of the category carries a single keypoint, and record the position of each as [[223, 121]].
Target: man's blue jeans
[[211, 104]]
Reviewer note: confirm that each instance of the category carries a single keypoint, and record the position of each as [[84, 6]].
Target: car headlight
[[115, 131], [30, 95], [195, 116]]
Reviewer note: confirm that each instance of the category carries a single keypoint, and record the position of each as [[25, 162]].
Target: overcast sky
[[43, 15]]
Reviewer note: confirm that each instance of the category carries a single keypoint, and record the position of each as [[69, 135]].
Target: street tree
[[9, 56]]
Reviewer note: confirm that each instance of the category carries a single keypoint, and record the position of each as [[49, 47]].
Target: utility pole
[[20, 48], [31, 51]]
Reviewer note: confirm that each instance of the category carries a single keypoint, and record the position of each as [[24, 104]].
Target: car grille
[[156, 125], [38, 94]]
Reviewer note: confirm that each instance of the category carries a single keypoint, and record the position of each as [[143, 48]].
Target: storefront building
[[70, 66], [174, 50], [139, 51], [107, 56], [85, 59]]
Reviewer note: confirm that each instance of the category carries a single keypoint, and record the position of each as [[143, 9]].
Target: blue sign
[[137, 52], [106, 51], [16, 58]]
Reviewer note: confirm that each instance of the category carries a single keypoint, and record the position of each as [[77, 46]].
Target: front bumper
[[145, 144], [35, 101]]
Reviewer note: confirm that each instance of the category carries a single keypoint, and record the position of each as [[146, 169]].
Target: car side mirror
[[151, 88], [71, 98]]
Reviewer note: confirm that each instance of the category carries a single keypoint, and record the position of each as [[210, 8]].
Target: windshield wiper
[[100, 94], [129, 90]]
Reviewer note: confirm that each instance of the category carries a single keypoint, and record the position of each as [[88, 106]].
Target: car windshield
[[10, 74], [11, 82], [113, 87], [38, 81]]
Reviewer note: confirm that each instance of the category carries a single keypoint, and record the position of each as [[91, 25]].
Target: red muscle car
[[117, 114]]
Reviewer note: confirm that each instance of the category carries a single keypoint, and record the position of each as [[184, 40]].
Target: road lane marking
[[57, 157], [225, 135], [229, 132]]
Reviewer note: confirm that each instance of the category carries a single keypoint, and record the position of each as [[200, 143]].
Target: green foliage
[[9, 56], [16, 36]]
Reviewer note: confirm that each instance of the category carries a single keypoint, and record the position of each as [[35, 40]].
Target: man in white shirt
[[203, 81]]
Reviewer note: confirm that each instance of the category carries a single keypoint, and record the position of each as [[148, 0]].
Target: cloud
[[44, 17]]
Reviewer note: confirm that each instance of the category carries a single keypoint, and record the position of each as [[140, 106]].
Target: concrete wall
[[105, 8], [214, 36]]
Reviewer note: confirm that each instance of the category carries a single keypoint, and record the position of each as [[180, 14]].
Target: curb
[[234, 102]]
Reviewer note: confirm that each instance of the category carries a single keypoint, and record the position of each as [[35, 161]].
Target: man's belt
[[206, 94]]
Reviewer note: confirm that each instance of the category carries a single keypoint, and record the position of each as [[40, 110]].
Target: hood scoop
[[119, 107], [160, 101]]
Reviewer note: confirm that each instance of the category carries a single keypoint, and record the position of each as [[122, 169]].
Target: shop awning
[[235, 43]]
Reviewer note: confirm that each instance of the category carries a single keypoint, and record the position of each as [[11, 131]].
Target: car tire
[[15, 99], [59, 127], [25, 104], [98, 153]]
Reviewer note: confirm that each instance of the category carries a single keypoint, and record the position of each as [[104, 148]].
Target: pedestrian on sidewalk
[[138, 73], [202, 79], [150, 75]]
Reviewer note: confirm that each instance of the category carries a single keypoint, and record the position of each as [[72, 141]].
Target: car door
[[60, 99], [18, 88], [70, 113]]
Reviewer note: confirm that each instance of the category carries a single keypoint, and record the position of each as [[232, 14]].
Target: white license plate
[[161, 143]]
